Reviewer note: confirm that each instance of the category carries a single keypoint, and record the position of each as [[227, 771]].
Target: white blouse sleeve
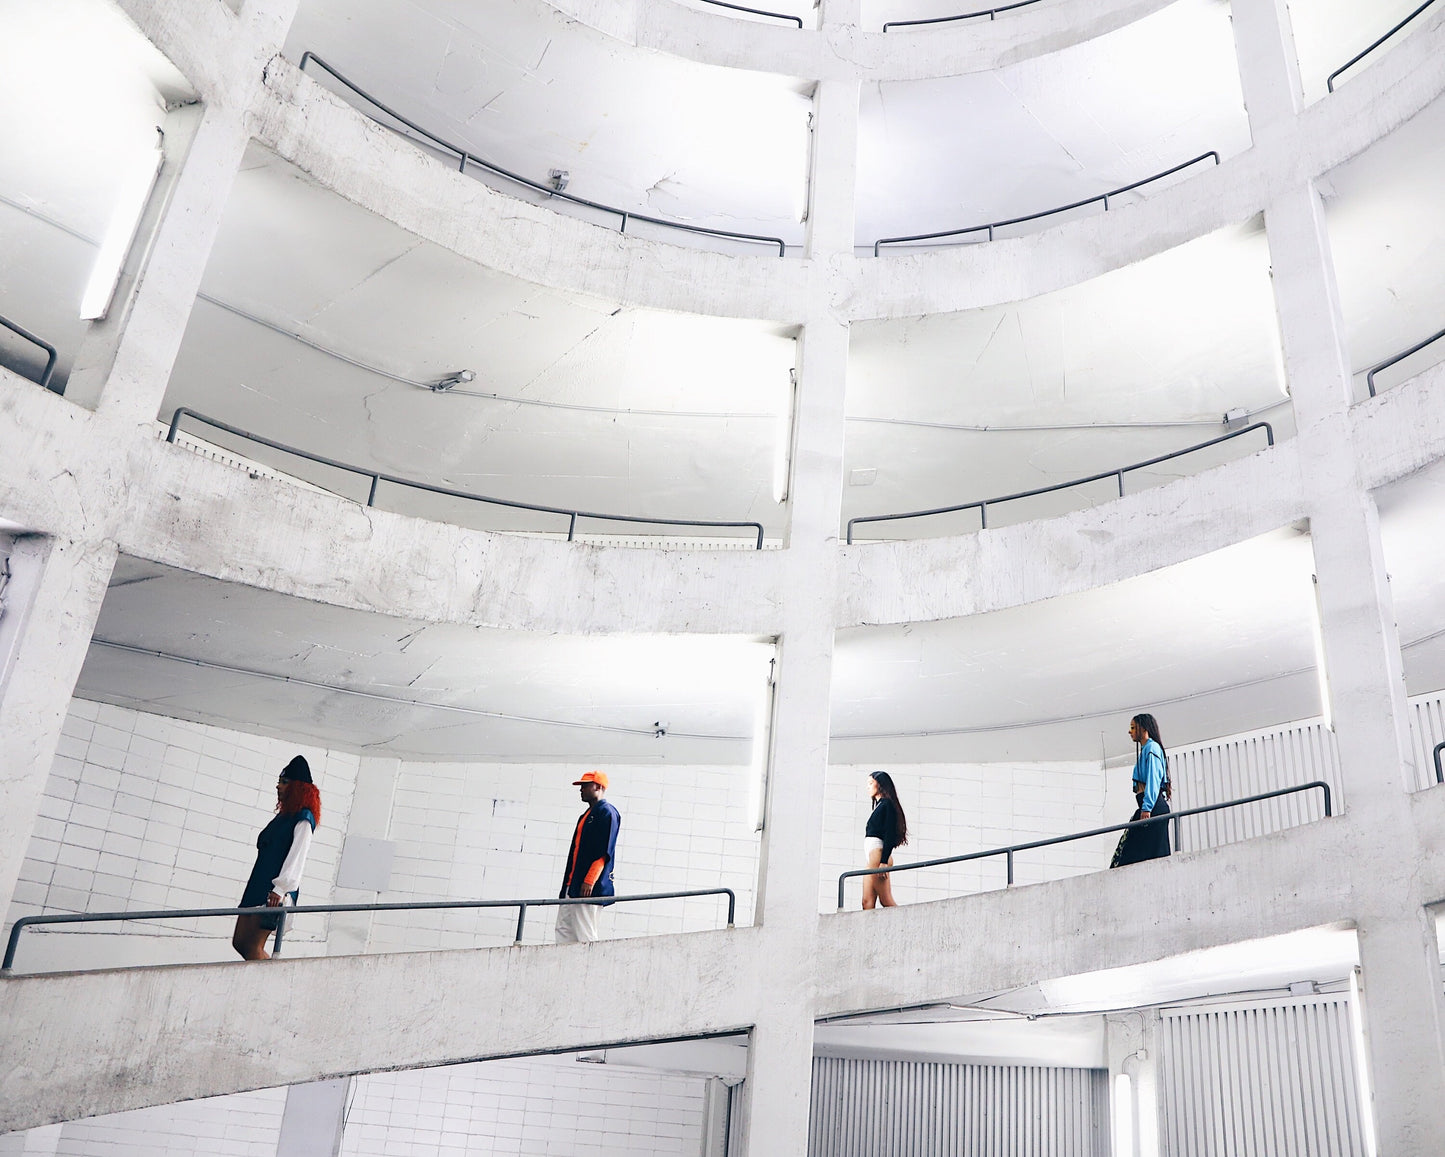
[[290, 878]]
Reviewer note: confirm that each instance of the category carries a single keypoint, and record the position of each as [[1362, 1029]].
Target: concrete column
[[1404, 1021], [780, 1058], [312, 1124], [51, 604], [1268, 66], [125, 363], [1399, 957]]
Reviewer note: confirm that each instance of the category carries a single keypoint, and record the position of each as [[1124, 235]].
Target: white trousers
[[577, 923]]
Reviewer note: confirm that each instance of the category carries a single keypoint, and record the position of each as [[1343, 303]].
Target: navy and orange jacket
[[594, 846]]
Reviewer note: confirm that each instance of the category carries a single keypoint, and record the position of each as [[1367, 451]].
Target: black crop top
[[883, 825]]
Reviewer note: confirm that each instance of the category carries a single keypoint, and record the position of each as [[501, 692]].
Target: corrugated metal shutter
[[880, 1108], [1271, 1080], [1244, 765]]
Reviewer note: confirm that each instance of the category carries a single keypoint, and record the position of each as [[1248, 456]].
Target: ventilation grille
[[1275, 1080], [871, 1108], [1245, 765]]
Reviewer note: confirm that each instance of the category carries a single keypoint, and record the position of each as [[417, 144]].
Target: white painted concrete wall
[[240, 1125], [540, 1105]]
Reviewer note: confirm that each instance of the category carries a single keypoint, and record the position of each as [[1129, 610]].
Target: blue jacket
[[594, 847], [1151, 773]]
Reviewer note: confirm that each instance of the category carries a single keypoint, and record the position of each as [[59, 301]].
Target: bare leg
[[871, 886], [249, 938], [884, 886]]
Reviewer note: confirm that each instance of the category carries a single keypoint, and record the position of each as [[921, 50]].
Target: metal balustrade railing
[[378, 477], [991, 13], [50, 353], [1399, 357], [305, 909], [465, 158], [1439, 770], [1359, 56], [1013, 849], [991, 226], [983, 505], [798, 20]]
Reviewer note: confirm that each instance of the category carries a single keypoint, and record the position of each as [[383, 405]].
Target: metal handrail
[[798, 20], [991, 13], [982, 506], [377, 476], [50, 353], [1359, 56], [625, 214], [1439, 771], [425, 905], [1047, 212], [1008, 852], [1400, 357]]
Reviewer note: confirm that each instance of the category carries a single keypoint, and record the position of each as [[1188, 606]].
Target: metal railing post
[[371, 494], [1010, 851], [1439, 771], [1359, 56], [180, 411], [298, 909]]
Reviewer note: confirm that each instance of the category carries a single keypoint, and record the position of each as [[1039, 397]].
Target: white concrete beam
[[921, 53]]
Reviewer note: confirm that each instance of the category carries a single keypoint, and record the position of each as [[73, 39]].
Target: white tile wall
[[144, 811], [542, 1105], [958, 808], [243, 1125], [473, 831]]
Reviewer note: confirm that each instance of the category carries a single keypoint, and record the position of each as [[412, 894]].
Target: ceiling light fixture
[[460, 378], [783, 438], [762, 741], [131, 200]]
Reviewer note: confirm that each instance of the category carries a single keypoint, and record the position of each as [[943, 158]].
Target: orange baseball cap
[[597, 777]]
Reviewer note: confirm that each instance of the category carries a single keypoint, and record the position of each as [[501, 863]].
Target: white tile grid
[[475, 831], [542, 1105], [241, 1125], [145, 811], [958, 808]]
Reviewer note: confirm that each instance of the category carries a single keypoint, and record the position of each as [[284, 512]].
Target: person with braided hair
[[280, 859]]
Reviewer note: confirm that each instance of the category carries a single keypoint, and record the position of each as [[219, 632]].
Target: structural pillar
[[52, 600], [780, 1060]]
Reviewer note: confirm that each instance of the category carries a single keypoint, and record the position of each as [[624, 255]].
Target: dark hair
[[890, 793], [1150, 726]]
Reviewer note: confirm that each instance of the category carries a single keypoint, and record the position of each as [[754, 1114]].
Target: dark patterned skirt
[[1147, 843]]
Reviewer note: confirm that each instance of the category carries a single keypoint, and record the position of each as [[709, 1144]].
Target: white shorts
[[577, 923], [872, 844]]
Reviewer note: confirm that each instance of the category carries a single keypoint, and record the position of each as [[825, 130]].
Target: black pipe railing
[[982, 506], [50, 354], [1046, 212], [1359, 56], [1439, 771], [1400, 357], [798, 20], [1011, 850], [466, 157], [420, 906], [991, 13], [377, 477]]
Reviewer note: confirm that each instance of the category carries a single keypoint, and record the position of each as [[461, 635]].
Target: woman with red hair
[[280, 859]]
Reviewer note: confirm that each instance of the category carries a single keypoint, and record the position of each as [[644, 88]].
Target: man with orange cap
[[589, 861]]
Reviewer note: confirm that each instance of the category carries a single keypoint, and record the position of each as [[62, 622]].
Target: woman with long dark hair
[[887, 829], [280, 859], [1151, 789]]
